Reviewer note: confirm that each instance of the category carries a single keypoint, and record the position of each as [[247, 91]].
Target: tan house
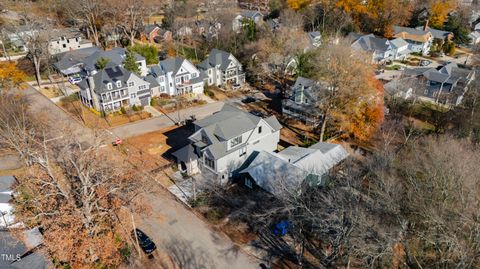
[[419, 40]]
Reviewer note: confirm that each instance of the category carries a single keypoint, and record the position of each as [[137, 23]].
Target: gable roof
[[170, 65], [217, 57], [108, 75], [226, 124], [408, 33], [398, 42], [438, 34], [74, 58], [371, 43], [251, 14]]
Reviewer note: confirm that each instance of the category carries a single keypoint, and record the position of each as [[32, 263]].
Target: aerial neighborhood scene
[[239, 134]]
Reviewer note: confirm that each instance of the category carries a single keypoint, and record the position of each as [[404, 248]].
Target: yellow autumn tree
[[439, 12], [10, 75], [298, 4]]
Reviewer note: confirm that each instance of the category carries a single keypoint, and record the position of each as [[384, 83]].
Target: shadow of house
[[177, 139]]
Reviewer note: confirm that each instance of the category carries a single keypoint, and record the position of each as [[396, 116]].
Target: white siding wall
[[253, 141]]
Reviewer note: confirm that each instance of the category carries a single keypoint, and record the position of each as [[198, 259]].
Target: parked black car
[[249, 99], [144, 241]]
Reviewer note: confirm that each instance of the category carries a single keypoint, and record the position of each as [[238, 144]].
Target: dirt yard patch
[[152, 151], [90, 119], [51, 91]]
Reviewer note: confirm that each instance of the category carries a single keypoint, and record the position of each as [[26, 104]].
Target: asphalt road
[[189, 241], [157, 123]]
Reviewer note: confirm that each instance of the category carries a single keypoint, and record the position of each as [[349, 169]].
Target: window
[[260, 129], [162, 88], [248, 183], [109, 86], [235, 141], [133, 95], [209, 71], [209, 162], [242, 151], [64, 45], [177, 80], [131, 84], [161, 79], [119, 84], [142, 87]]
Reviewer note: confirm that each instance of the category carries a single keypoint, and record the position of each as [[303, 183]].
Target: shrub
[[148, 51], [164, 95], [94, 111], [208, 92], [153, 102], [134, 108], [71, 98], [122, 110]]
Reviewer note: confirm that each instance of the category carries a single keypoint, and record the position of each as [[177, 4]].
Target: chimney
[[93, 95], [425, 28]]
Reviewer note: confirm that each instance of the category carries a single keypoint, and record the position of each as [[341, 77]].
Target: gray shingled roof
[[151, 79], [216, 57], [286, 170], [225, 124], [398, 42], [75, 57], [171, 64], [108, 75], [115, 56], [6, 183], [371, 43]]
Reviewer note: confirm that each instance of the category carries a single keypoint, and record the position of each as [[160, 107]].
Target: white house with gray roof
[[239, 20], [292, 167], [222, 68], [176, 76], [382, 49], [302, 101], [223, 141], [112, 88]]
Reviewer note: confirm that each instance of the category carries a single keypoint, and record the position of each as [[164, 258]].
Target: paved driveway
[[157, 123]]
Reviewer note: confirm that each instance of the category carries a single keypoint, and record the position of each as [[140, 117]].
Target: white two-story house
[[222, 68], [112, 88], [69, 39], [177, 76], [223, 141]]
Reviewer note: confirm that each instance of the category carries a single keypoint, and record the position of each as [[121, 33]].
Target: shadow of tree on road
[[186, 256]]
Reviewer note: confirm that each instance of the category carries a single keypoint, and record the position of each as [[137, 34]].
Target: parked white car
[[74, 80]]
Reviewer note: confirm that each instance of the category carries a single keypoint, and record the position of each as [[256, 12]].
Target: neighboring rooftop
[[115, 56], [217, 57], [288, 169]]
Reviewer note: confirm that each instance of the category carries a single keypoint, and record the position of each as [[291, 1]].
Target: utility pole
[[137, 246]]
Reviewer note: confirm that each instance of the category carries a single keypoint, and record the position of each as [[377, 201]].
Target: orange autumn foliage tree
[[377, 16], [10, 75], [352, 107]]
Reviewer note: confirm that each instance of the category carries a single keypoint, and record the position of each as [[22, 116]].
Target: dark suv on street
[[144, 241]]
